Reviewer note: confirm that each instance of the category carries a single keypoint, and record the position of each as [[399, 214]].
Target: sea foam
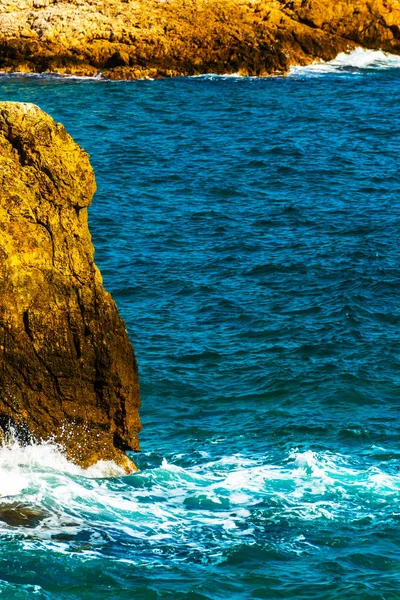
[[357, 60], [56, 504]]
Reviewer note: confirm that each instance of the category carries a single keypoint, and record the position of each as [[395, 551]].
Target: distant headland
[[122, 39]]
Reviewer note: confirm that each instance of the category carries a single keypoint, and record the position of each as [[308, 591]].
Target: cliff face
[[155, 38], [67, 368]]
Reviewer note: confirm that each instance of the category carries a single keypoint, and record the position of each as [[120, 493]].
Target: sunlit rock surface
[[156, 38], [67, 369]]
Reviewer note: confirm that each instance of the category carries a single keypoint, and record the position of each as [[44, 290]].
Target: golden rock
[[67, 369]]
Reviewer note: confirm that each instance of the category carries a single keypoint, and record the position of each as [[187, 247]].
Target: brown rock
[[163, 38], [67, 369]]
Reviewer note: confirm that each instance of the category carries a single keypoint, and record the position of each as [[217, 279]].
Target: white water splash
[[355, 61], [22, 467], [232, 497]]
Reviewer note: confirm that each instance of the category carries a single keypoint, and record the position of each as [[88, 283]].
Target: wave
[[215, 503], [356, 61], [22, 467]]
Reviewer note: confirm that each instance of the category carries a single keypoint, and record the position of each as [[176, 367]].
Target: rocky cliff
[[67, 368], [155, 38]]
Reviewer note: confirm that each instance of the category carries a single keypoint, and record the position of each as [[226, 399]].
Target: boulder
[[68, 373]]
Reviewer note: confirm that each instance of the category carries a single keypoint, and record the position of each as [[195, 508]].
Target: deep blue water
[[248, 230]]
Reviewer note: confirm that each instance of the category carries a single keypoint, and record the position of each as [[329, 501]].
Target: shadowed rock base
[[67, 369], [163, 38]]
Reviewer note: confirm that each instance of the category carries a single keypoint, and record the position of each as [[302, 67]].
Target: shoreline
[[358, 58]]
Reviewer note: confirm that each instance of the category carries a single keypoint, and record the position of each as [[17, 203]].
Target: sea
[[249, 231]]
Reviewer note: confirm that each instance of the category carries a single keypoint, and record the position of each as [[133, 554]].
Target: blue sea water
[[248, 230]]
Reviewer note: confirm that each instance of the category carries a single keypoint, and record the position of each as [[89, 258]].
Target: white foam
[[216, 76], [174, 504], [357, 60], [52, 75], [22, 467]]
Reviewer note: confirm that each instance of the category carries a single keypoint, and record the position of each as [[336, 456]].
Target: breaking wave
[[216, 503], [355, 61]]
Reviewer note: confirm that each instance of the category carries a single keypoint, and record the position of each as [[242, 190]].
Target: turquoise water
[[249, 232]]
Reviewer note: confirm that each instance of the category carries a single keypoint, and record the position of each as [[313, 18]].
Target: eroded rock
[[67, 368]]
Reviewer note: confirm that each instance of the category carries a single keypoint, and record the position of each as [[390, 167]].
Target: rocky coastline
[[68, 373], [162, 38]]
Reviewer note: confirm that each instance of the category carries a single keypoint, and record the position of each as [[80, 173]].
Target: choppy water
[[249, 232]]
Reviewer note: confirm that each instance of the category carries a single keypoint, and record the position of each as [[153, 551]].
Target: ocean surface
[[249, 231]]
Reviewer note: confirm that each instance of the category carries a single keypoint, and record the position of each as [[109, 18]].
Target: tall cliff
[[155, 38], [67, 369]]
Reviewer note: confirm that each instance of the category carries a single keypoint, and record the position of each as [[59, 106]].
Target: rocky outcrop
[[67, 368], [156, 38]]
